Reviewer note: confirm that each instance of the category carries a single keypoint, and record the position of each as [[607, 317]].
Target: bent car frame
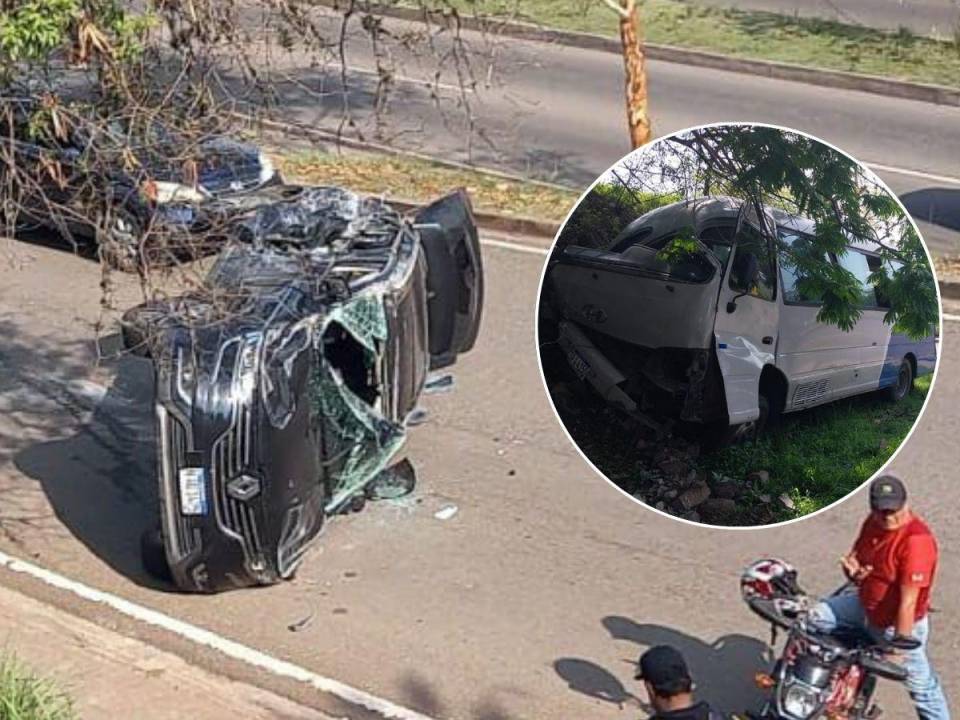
[[284, 387], [721, 335]]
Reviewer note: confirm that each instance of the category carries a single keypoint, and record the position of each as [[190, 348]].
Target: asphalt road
[[556, 113], [924, 17], [528, 603]]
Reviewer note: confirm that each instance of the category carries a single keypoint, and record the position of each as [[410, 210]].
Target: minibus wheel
[[723, 435], [901, 388]]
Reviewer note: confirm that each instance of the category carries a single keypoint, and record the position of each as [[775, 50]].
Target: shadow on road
[[418, 693], [938, 206], [722, 669], [590, 679], [100, 481]]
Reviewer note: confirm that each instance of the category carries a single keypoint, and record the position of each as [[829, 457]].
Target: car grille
[[174, 446], [229, 456]]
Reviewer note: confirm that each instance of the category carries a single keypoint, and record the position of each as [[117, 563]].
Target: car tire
[[119, 233], [723, 435], [904, 384], [154, 556]]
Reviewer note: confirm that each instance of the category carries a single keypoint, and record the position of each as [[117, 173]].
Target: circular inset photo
[[738, 324]]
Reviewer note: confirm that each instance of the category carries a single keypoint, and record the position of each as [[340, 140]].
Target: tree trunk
[[631, 34]]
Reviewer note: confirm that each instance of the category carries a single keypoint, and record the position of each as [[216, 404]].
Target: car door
[[746, 325], [448, 234]]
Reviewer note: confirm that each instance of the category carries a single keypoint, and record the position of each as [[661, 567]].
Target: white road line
[[951, 318], [518, 247], [198, 635], [411, 80], [914, 173]]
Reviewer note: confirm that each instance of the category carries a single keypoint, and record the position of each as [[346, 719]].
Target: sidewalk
[[112, 676]]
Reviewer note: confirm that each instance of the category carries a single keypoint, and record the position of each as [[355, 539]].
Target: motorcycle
[[818, 676]]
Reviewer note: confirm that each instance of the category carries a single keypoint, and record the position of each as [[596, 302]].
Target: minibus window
[[634, 238], [889, 268], [750, 241], [791, 245], [682, 257], [720, 241], [857, 263]]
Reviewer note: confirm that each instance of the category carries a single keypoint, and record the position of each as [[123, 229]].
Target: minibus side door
[[746, 326]]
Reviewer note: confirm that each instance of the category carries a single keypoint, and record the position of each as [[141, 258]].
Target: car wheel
[[154, 556], [118, 240], [723, 435], [901, 388]]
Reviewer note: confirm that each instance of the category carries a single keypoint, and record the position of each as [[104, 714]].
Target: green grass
[[822, 454], [24, 696], [750, 34], [413, 179]]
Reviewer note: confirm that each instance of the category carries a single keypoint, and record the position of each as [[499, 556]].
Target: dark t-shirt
[[700, 711]]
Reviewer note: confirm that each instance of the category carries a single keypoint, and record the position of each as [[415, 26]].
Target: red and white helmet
[[770, 579]]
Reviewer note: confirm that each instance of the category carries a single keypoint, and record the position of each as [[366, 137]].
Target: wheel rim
[[903, 381]]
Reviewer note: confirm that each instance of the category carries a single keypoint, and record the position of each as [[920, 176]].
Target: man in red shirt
[[892, 565]]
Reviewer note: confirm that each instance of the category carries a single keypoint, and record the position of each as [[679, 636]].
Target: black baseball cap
[[663, 667], [887, 494]]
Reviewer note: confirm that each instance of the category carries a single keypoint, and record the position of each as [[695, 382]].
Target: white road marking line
[[518, 247], [198, 635], [951, 318], [914, 173], [411, 80]]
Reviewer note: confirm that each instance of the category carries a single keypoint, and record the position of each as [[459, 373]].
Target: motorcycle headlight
[[267, 169], [801, 701]]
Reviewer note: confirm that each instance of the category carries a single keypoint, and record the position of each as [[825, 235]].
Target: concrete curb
[[878, 85], [507, 224]]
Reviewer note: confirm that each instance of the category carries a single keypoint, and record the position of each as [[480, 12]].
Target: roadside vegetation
[[748, 34], [408, 178], [815, 458], [25, 696]]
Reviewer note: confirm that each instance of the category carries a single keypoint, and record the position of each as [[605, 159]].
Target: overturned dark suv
[[284, 386]]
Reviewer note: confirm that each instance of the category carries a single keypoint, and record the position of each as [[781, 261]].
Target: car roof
[[702, 212]]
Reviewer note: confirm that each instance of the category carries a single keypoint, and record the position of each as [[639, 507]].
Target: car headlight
[[247, 368], [801, 701], [164, 193], [267, 170], [186, 377]]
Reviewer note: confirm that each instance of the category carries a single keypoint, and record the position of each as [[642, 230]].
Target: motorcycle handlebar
[[768, 611]]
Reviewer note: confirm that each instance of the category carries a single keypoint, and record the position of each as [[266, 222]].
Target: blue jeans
[[846, 612]]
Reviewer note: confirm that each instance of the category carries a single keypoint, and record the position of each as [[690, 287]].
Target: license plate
[[579, 365], [193, 492], [179, 215]]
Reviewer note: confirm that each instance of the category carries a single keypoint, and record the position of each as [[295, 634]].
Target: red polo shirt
[[905, 556]]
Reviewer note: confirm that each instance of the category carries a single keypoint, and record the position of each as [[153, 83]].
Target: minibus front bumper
[[588, 363]]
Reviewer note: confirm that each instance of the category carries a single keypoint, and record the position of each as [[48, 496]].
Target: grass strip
[[419, 181], [25, 696], [821, 455], [758, 35]]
